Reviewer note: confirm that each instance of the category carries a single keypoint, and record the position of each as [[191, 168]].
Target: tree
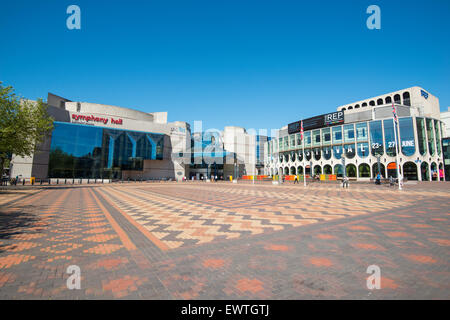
[[23, 125]]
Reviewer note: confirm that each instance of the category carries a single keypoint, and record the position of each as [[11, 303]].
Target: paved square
[[198, 240]]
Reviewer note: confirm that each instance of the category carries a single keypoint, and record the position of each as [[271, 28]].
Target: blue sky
[[256, 64]]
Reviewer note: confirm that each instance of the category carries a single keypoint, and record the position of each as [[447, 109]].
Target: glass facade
[[337, 134], [350, 151], [316, 137], [421, 136], [82, 151], [430, 135], [373, 138], [363, 149], [326, 151], [326, 136], [337, 152], [349, 133], [438, 137], [389, 137], [376, 138], [307, 137], [407, 136], [361, 131]]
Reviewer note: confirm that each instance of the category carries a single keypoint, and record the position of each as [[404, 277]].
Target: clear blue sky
[[256, 64]]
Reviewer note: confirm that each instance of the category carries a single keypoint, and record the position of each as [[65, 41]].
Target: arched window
[[397, 99], [308, 154], [317, 169], [375, 170], [299, 170], [406, 98], [372, 103], [379, 102], [293, 170], [364, 104], [350, 108], [326, 151], [388, 100], [338, 170], [317, 154], [424, 169], [434, 171], [293, 156], [410, 171], [351, 171], [391, 170], [300, 155], [364, 170], [327, 169], [337, 151], [286, 170], [356, 106], [343, 109]]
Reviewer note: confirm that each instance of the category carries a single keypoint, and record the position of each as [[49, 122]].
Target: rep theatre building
[[359, 138]]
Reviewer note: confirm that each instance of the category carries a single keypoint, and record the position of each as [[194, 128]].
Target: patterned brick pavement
[[225, 241]]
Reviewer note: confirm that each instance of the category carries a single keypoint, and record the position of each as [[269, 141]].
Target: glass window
[[350, 150], [407, 136], [300, 155], [326, 136], [308, 154], [363, 149], [299, 139], [317, 153], [307, 136], [349, 133], [326, 151], [389, 137], [280, 144], [81, 151], [438, 137], [286, 143], [376, 138], [337, 152], [430, 134], [361, 131], [421, 137], [292, 140], [337, 134], [316, 137]]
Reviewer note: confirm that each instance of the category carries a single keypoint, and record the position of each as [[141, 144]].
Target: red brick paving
[[224, 241]]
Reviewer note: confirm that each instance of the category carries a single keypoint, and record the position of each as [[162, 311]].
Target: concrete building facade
[[360, 139]]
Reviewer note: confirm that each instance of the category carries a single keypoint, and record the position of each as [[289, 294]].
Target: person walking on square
[[296, 179]]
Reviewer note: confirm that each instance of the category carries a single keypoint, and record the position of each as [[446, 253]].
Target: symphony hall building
[[359, 138]]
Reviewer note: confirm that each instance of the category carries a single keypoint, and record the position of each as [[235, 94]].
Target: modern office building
[[360, 139], [231, 152], [96, 141]]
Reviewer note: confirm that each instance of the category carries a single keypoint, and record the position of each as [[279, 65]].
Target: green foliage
[[23, 124]]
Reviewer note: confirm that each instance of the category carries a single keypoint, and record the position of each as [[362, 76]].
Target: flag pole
[[397, 147], [303, 146]]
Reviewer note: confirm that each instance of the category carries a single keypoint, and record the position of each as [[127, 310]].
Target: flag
[[394, 113], [301, 130]]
